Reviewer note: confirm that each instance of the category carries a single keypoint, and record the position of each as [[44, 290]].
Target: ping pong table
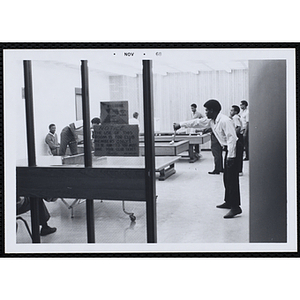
[[167, 149], [193, 139], [164, 165]]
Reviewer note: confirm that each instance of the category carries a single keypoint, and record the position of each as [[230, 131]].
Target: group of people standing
[[240, 117], [229, 134]]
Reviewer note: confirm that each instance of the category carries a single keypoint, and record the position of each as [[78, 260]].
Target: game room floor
[[186, 212]]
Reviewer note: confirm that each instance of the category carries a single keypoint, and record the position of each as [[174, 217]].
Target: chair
[[25, 223], [22, 207]]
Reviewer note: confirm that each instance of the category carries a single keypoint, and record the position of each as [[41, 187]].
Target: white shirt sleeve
[[196, 123]]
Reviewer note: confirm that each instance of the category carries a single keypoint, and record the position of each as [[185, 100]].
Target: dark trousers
[[55, 151], [231, 179], [239, 154], [246, 144], [67, 138], [24, 206], [216, 150]]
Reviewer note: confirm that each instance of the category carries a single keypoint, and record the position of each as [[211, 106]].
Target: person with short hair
[[96, 121], [134, 120], [51, 139], [234, 115], [195, 114], [223, 128], [217, 151], [245, 127]]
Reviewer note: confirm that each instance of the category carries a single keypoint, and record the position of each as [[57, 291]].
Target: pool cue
[[172, 142]]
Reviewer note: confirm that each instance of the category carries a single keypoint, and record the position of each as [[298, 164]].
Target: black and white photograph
[[150, 150]]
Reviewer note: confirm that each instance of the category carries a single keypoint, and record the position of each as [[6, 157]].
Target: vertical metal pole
[[34, 204], [149, 153], [86, 114], [90, 221], [29, 113]]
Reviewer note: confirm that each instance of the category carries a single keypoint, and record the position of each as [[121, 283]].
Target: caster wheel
[[132, 218]]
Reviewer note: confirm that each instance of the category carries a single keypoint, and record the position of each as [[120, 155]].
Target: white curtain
[[175, 92]]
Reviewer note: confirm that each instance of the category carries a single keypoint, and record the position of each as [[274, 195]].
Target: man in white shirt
[[223, 128], [134, 120], [234, 115], [245, 126], [195, 115]]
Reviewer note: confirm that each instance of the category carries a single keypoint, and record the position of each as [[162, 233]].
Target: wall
[[54, 99], [268, 190], [130, 89], [175, 92]]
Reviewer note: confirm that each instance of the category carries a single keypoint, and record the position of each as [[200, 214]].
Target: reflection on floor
[[186, 212]]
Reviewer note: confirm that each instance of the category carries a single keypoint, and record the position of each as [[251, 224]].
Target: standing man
[[95, 121], [223, 128], [234, 115], [51, 139], [134, 120], [245, 126], [216, 150], [196, 115]]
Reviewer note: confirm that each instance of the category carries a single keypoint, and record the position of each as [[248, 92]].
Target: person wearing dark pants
[[239, 155], [223, 128], [23, 205], [245, 126], [71, 135], [216, 150], [234, 115], [196, 115], [231, 180]]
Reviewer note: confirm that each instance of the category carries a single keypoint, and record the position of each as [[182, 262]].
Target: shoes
[[233, 212], [224, 205], [214, 172], [241, 174], [47, 230]]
